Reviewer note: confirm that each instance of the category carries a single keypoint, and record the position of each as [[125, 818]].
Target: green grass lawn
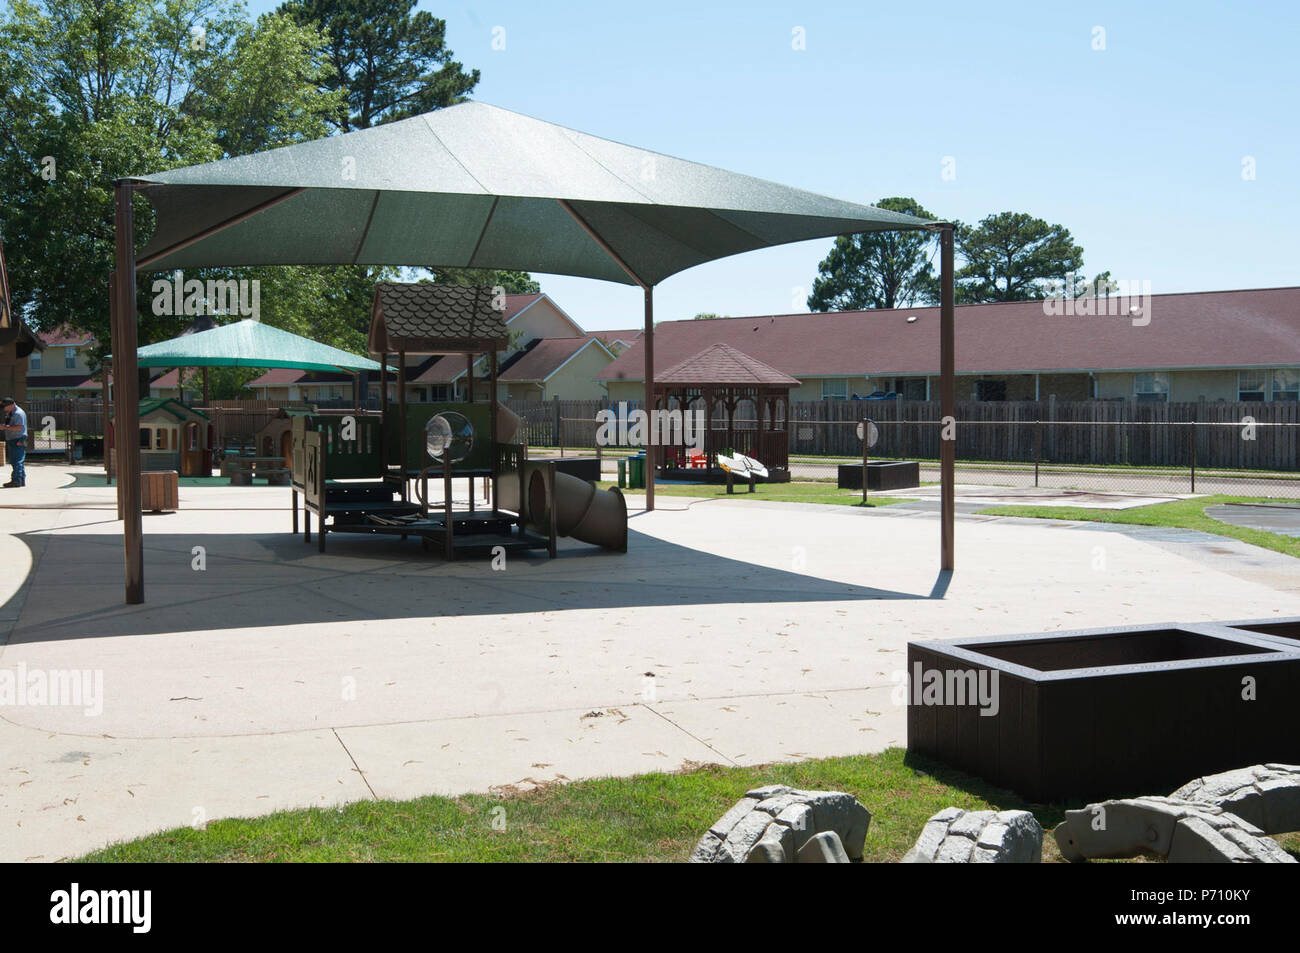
[[652, 817], [1182, 514], [770, 492]]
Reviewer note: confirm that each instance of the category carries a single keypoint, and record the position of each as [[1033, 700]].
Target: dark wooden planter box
[[1285, 631], [881, 475], [1101, 713]]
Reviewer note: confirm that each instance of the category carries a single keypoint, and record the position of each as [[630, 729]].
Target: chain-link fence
[[1143, 457]]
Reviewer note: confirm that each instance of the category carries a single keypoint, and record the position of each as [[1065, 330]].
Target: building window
[[835, 388], [1151, 387], [146, 438], [1252, 386], [1286, 384], [913, 388], [70, 358], [991, 390], [34, 361]]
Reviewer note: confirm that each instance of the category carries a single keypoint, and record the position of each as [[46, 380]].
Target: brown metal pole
[[108, 369], [128, 389], [492, 426], [947, 401], [649, 397]]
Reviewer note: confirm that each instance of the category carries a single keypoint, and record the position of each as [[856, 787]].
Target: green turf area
[[653, 817], [1182, 514], [769, 492], [98, 479]]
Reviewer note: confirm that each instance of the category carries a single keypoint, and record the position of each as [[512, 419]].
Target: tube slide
[[581, 511]]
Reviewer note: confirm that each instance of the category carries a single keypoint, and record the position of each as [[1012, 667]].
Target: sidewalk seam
[[731, 761], [364, 779]]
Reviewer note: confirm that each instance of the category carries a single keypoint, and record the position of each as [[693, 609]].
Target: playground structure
[[356, 472]]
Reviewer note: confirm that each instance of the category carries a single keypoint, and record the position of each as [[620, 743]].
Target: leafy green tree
[[1012, 256], [878, 269], [708, 316], [93, 91], [514, 282], [388, 62]]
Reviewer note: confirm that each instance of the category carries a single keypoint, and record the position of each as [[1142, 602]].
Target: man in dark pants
[[15, 431]]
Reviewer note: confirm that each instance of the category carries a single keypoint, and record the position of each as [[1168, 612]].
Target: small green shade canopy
[[475, 186], [250, 344]]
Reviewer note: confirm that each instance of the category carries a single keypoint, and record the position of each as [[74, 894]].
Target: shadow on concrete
[[274, 579]]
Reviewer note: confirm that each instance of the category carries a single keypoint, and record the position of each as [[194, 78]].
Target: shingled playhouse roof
[[725, 365], [424, 318]]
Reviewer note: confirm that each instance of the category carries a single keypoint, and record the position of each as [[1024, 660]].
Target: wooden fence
[[1085, 433]]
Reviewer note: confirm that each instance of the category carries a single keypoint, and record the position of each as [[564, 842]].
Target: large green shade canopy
[[250, 344], [475, 186]]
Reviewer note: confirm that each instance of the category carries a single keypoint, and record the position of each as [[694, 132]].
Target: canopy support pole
[[492, 427], [947, 401], [127, 390], [649, 350], [650, 456]]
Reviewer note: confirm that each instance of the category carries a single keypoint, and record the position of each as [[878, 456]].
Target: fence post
[[1038, 448], [1193, 425], [559, 437]]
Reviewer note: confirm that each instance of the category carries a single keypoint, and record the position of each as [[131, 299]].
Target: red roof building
[[1218, 345]]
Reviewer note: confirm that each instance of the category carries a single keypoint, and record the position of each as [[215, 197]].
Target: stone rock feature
[[823, 848], [954, 836], [1266, 795], [779, 824], [1177, 830]]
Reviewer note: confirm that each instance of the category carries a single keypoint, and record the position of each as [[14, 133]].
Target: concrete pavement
[[260, 675]]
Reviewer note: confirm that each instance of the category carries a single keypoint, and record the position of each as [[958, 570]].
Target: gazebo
[[717, 382]]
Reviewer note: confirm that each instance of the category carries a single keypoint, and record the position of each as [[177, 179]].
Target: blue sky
[[1138, 149]]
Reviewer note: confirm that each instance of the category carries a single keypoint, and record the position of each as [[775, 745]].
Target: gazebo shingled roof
[[724, 364]]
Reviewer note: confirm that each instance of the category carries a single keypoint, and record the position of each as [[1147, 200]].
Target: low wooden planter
[[1106, 712], [881, 475], [159, 491]]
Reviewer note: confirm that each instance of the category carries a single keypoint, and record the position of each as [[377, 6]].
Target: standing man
[[15, 431]]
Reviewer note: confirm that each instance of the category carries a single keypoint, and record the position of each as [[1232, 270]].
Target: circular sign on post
[[867, 430]]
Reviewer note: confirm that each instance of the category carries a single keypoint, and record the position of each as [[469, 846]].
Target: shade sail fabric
[[475, 186], [250, 344]]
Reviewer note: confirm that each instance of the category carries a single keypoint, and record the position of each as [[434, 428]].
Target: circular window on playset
[[449, 433]]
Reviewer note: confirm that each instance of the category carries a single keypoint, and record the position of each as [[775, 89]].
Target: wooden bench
[[244, 470]]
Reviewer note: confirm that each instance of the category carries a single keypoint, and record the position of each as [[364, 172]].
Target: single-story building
[[1200, 346]]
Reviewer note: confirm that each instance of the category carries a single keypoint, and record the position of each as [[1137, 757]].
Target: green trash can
[[636, 472], [622, 474]]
